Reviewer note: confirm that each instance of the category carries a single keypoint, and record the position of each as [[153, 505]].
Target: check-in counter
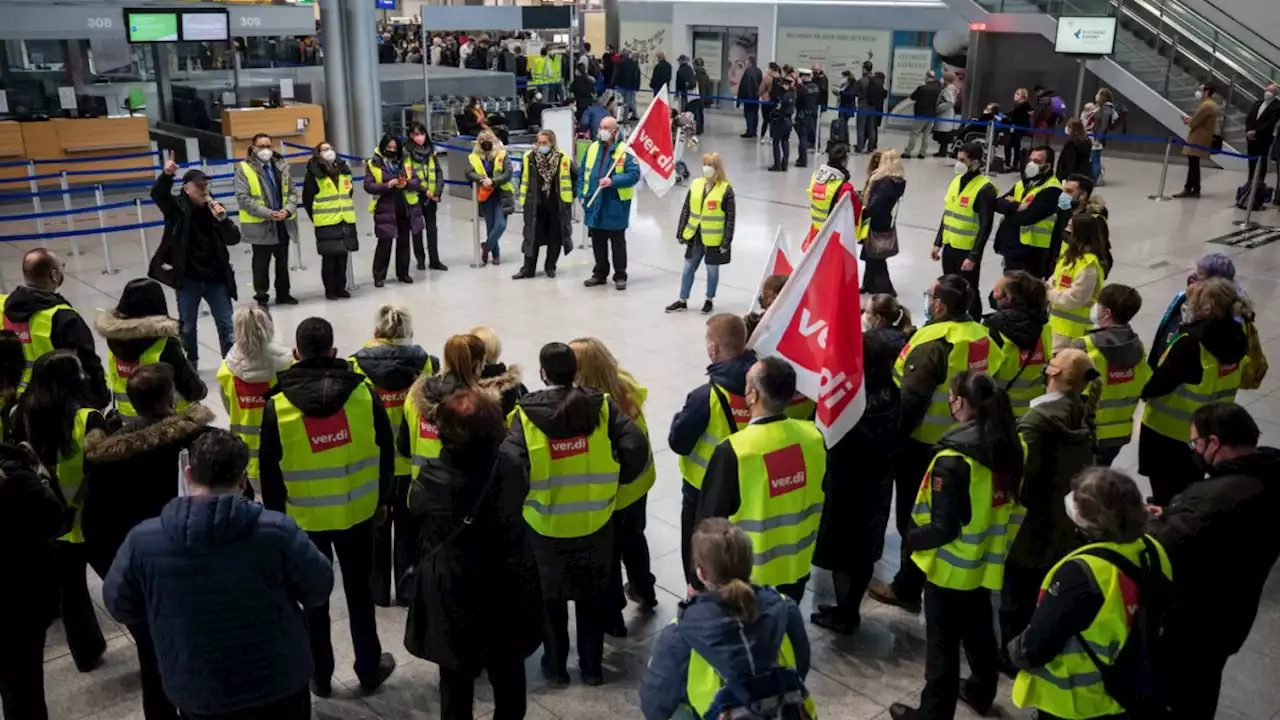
[[78, 139], [297, 123], [11, 151]]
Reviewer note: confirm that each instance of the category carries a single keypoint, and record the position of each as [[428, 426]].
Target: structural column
[[362, 74], [337, 108]]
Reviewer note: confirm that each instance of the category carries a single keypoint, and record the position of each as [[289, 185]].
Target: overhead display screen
[[1086, 35], [163, 25], [152, 27], [198, 26]]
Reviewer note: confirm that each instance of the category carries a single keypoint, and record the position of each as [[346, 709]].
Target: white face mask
[[1199, 95], [866, 322], [1188, 315], [1270, 94], [606, 135], [1032, 170], [1073, 513], [329, 155], [265, 154], [961, 168], [1095, 315], [708, 171]]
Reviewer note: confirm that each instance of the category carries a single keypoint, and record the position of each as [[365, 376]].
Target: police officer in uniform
[[328, 461], [767, 479], [1020, 326], [950, 343], [579, 447], [966, 519], [1032, 219], [1120, 358], [1084, 598], [968, 214]]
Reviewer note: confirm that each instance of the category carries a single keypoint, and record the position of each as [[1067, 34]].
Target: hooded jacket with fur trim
[[428, 392], [129, 338]]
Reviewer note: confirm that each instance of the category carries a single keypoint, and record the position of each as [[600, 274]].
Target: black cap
[[194, 175]]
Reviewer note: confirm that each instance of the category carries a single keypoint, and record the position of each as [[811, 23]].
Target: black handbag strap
[[1143, 576], [469, 518], [726, 407]]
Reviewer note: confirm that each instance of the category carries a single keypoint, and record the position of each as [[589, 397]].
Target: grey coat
[[531, 198], [265, 233], [500, 175]]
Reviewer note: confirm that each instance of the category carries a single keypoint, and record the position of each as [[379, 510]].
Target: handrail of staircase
[[1244, 67], [1237, 21]]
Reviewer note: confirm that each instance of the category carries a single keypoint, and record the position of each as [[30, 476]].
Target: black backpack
[[839, 134], [1131, 679]]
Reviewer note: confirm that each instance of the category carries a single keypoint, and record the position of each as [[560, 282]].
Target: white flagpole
[[778, 238]]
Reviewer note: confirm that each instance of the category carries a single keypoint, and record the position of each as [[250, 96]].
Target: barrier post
[[817, 134], [142, 232], [71, 222], [1259, 168], [34, 187], [351, 276], [102, 227], [475, 226], [1164, 172], [991, 146]]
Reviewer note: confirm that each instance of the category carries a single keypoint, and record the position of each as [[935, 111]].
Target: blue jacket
[[609, 212], [690, 422], [730, 648], [591, 118], [222, 584]]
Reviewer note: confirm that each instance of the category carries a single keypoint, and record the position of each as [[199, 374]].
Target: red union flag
[[652, 147], [777, 263], [816, 325]]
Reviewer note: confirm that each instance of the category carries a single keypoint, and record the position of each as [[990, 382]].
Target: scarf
[[546, 166]]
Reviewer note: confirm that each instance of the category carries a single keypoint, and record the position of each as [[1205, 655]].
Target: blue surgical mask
[[1064, 202], [544, 149]]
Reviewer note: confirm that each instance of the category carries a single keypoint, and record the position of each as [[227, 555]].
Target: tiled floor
[[856, 677]]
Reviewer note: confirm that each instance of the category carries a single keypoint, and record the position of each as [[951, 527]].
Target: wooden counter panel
[[11, 150], [280, 123], [80, 138]]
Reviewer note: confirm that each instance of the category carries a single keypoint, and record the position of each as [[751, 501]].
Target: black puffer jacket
[[30, 518], [332, 239], [1020, 326], [394, 366], [129, 338], [505, 381], [69, 332]]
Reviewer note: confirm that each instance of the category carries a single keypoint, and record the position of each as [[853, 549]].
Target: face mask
[[544, 149], [486, 146], [993, 302], [1095, 316], [1032, 170], [1065, 202], [537, 97], [328, 155], [708, 171], [1199, 95], [265, 154], [420, 140], [866, 323], [606, 135], [1270, 94], [961, 168], [928, 310], [1073, 513], [1188, 316]]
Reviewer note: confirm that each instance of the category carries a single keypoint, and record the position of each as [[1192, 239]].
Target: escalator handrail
[[1240, 68], [1235, 20]]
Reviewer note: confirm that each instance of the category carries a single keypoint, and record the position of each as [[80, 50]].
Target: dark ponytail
[[723, 552], [955, 293], [993, 415], [576, 410]]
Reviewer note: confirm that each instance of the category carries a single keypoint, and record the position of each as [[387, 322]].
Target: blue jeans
[[218, 297], [495, 222], [629, 103], [691, 267], [1097, 164]]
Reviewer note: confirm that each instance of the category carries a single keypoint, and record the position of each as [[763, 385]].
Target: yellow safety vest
[[422, 171], [971, 349], [245, 404], [36, 335], [333, 204], [118, 374], [478, 166], [394, 402], [255, 189], [553, 69], [976, 558], [538, 69], [1022, 372], [566, 182], [693, 467], [573, 482], [706, 213], [630, 493], [71, 473], [1121, 388], [1070, 685], [959, 218], [821, 197], [1039, 235], [800, 408], [781, 465], [703, 683], [1074, 323], [424, 435], [330, 465], [1170, 415], [619, 165]]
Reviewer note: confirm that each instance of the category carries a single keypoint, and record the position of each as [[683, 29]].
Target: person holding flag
[[609, 177]]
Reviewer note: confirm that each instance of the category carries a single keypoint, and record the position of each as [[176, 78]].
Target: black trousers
[[506, 677], [954, 618], [22, 669], [794, 590], [294, 707], [1193, 173], [952, 260], [84, 636], [1191, 675], [1257, 148], [751, 112], [850, 587], [262, 257], [382, 253], [1033, 261], [912, 464], [1018, 599], [553, 257], [431, 252], [781, 133], [394, 547], [333, 272], [155, 704], [601, 242], [354, 548], [631, 549], [591, 616], [876, 278], [1013, 150], [688, 513]]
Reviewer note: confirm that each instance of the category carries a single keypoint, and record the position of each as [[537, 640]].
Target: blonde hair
[[486, 135], [723, 553], [1075, 366], [253, 330], [549, 135], [1026, 95], [393, 323], [598, 369], [895, 314], [713, 159], [492, 345], [462, 356], [890, 166], [1216, 298]]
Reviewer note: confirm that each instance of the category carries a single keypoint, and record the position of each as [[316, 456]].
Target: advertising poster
[[741, 47], [710, 47], [646, 40], [836, 50], [910, 64]]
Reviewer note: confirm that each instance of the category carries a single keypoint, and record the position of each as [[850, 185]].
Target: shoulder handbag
[[407, 580], [882, 244]]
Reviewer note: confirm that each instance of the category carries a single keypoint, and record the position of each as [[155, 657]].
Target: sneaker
[[620, 284], [286, 300], [883, 592], [594, 282], [707, 307], [437, 265], [321, 688], [647, 602], [677, 306], [406, 280], [522, 275], [386, 666]]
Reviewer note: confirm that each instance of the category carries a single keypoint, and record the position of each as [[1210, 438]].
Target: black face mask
[[486, 146], [991, 300]]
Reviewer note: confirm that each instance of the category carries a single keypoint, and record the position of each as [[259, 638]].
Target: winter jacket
[[692, 420], [131, 474], [608, 211], [573, 568], [31, 517], [718, 255], [686, 80], [1043, 205], [263, 368], [872, 95], [703, 81], [984, 205], [319, 388], [1201, 127], [749, 83], [1224, 339], [1059, 435], [1068, 607], [736, 651], [1169, 326], [391, 208], [533, 198], [129, 338], [1021, 327], [926, 369], [926, 99], [332, 239], [1020, 115], [222, 585], [182, 220], [721, 493], [498, 378], [1076, 158], [499, 175], [661, 76], [266, 233], [882, 199], [394, 366], [947, 107], [427, 393], [1119, 344], [627, 74], [476, 598], [1221, 539], [68, 332]]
